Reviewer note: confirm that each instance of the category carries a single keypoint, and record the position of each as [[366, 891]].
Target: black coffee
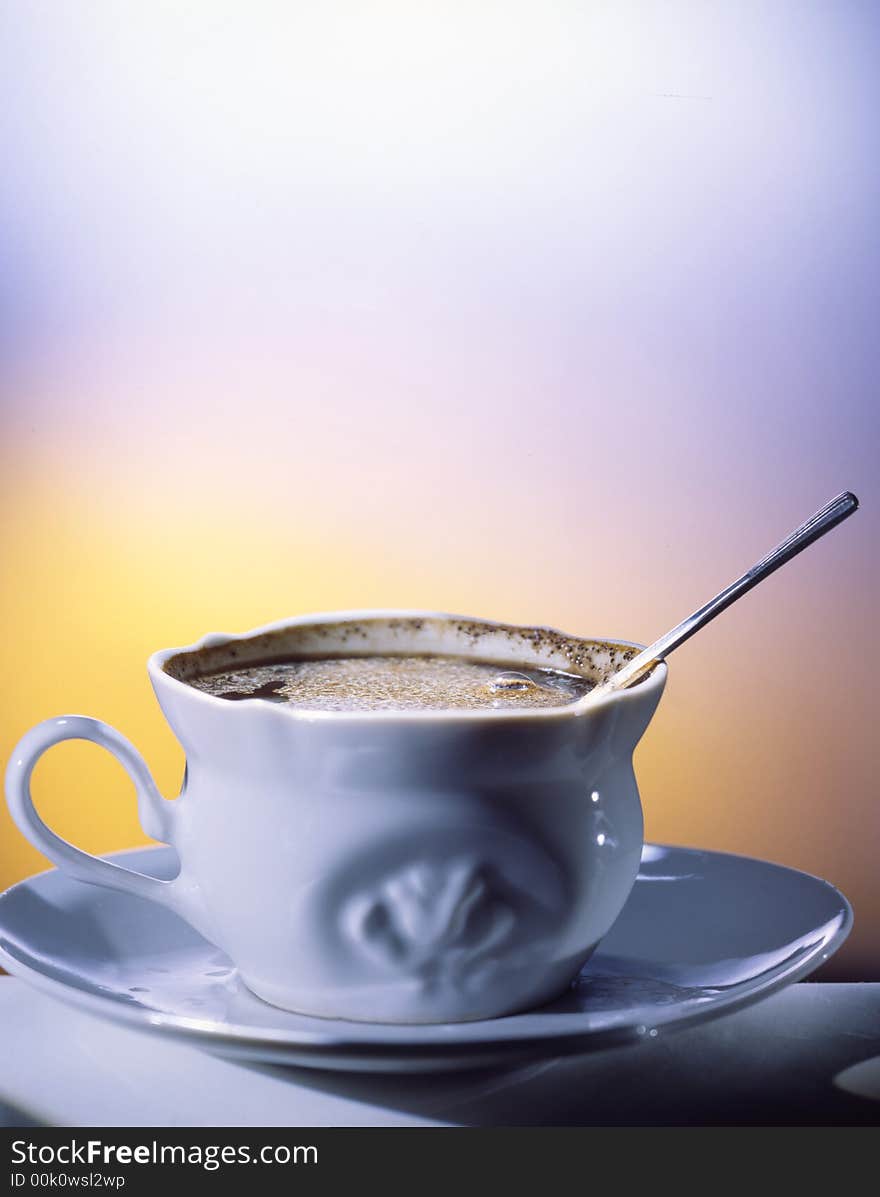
[[396, 683]]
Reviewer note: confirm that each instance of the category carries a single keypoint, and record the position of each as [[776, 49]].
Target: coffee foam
[[396, 683], [538, 647]]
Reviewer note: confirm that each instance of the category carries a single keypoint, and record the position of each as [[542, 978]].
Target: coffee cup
[[398, 866]]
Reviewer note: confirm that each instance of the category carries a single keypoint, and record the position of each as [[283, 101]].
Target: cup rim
[[649, 686]]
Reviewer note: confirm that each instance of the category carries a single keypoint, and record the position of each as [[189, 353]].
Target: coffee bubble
[[511, 683]]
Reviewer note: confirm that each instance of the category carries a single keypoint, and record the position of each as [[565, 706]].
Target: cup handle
[[156, 813]]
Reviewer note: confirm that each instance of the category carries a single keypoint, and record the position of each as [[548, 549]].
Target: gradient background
[[545, 312]]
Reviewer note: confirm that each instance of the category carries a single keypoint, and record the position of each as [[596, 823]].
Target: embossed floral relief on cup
[[452, 918]]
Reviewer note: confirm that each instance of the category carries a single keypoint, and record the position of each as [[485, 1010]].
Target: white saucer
[[703, 933]]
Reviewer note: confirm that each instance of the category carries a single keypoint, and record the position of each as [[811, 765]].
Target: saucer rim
[[248, 1041]]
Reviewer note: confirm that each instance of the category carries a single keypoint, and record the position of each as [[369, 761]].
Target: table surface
[[809, 1055]]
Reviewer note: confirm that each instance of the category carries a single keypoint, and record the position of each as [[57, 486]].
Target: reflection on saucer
[[862, 1079]]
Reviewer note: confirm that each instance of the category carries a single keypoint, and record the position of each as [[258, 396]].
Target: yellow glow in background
[[551, 313]]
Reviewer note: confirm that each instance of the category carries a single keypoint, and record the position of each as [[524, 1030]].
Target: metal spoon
[[817, 525]]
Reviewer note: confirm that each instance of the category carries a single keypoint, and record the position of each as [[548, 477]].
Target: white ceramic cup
[[388, 866]]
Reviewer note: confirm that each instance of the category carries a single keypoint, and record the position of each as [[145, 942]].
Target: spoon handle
[[817, 525]]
